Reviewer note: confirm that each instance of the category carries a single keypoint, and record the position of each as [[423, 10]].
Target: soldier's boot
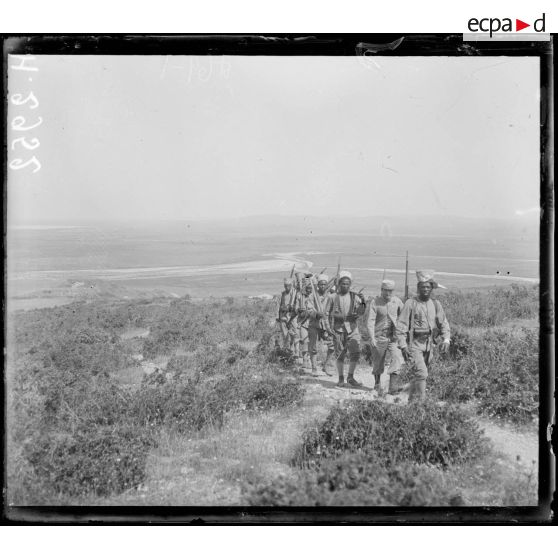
[[291, 344], [314, 363], [297, 353], [417, 391], [340, 372], [394, 384], [324, 365], [378, 384], [351, 375]]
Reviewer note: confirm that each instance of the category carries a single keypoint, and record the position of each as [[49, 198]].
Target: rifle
[[361, 296], [406, 275], [294, 309], [297, 286], [330, 284], [336, 281], [324, 324]]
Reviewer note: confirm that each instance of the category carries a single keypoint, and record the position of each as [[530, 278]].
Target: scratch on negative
[[486, 67], [164, 70], [390, 169]]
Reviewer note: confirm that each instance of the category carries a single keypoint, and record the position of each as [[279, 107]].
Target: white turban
[[427, 276]]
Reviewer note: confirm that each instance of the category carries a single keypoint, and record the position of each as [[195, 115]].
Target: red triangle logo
[[519, 25]]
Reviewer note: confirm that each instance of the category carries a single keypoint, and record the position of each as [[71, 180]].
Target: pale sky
[[178, 137]]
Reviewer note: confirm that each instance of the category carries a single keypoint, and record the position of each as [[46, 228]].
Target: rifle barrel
[[406, 275]]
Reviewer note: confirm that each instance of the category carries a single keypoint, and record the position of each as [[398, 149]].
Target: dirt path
[[519, 446], [327, 386]]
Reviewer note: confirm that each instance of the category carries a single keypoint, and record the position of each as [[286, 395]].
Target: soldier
[[420, 322], [287, 316], [319, 328], [304, 308], [345, 309], [379, 332]]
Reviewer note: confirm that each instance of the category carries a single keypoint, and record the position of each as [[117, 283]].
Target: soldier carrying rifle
[[420, 322], [319, 328], [346, 308], [304, 308], [287, 313]]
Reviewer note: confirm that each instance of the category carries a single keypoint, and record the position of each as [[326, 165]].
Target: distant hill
[[525, 226]]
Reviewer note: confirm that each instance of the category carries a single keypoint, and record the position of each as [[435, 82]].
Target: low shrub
[[284, 357], [74, 434], [187, 325], [510, 388], [184, 406], [179, 364], [272, 393], [236, 352], [211, 360], [98, 460], [90, 351], [356, 480], [493, 307], [193, 401], [370, 453], [500, 370], [421, 433]]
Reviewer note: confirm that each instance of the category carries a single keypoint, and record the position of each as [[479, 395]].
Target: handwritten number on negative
[[17, 99], [33, 143], [19, 121], [17, 164]]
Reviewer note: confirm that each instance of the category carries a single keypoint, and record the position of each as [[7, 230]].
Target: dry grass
[[130, 376], [496, 481], [210, 467]]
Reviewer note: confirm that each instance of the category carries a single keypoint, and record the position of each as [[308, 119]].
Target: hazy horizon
[[532, 216]]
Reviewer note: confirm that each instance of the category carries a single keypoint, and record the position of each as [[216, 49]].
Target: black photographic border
[[308, 44]]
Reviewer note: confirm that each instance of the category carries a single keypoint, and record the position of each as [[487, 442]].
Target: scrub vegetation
[[96, 415], [372, 453]]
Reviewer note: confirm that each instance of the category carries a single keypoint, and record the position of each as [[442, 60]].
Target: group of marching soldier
[[315, 308]]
